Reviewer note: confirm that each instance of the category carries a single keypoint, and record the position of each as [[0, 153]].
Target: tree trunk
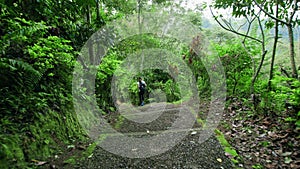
[[274, 50], [88, 15], [292, 51], [140, 30], [97, 11], [139, 16], [264, 52], [258, 71]]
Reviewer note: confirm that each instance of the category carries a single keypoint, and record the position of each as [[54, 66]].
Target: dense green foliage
[[40, 42], [35, 90], [155, 78]]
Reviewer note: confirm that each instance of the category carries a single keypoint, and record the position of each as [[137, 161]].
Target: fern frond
[[17, 73]]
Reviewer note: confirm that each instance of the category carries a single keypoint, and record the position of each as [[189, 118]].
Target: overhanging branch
[[270, 15], [230, 29]]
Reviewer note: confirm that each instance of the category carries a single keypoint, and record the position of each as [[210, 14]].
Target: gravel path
[[171, 142]]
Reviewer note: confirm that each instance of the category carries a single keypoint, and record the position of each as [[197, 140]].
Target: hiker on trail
[[142, 87]]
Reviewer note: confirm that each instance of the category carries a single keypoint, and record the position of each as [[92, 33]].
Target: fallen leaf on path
[[194, 132], [39, 163], [81, 147], [70, 146], [287, 160], [90, 156], [286, 154], [228, 155]]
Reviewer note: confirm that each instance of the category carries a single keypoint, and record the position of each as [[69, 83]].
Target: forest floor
[[187, 153], [261, 140]]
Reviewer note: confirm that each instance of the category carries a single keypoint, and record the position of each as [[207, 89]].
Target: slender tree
[[255, 16], [286, 17], [274, 48]]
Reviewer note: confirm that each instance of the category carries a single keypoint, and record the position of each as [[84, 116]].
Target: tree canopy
[[44, 42]]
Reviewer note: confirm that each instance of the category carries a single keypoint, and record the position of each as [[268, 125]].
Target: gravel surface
[[175, 143]]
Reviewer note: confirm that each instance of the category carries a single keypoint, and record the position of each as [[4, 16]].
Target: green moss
[[70, 161], [80, 156], [231, 151], [201, 122], [40, 140], [10, 151], [222, 139], [227, 147], [89, 151], [119, 122], [257, 166]]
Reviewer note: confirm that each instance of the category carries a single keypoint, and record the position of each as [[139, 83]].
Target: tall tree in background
[[286, 16], [274, 46], [252, 21]]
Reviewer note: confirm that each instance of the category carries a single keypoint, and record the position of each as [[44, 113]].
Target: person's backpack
[[142, 86]]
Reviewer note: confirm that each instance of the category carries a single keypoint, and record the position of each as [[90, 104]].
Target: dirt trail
[[165, 125]]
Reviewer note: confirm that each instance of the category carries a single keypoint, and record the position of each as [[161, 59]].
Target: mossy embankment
[[50, 135]]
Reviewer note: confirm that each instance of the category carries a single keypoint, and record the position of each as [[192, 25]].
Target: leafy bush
[[35, 91], [284, 96], [238, 68]]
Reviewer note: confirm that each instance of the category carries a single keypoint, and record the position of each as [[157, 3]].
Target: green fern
[[17, 73]]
